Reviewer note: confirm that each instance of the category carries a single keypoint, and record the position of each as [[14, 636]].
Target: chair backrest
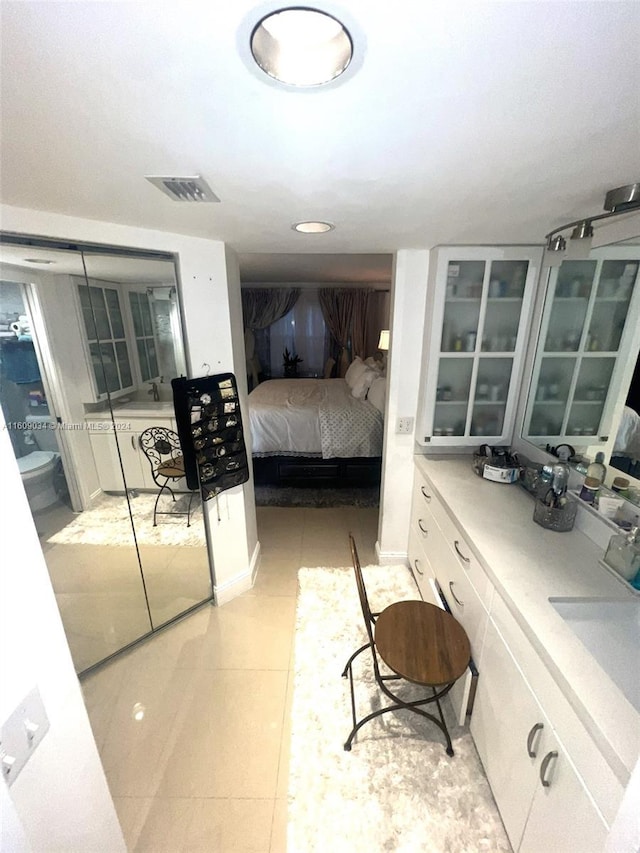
[[362, 592], [160, 445]]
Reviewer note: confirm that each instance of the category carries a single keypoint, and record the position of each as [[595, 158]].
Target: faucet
[[154, 390]]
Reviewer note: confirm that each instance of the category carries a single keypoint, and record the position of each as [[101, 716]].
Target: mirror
[[584, 383], [89, 342]]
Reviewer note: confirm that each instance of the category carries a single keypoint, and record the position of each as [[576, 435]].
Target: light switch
[[21, 734]]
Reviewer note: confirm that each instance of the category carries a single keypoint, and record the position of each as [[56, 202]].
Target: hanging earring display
[[211, 433]]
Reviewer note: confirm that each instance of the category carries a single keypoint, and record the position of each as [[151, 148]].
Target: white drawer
[[421, 567], [424, 497]]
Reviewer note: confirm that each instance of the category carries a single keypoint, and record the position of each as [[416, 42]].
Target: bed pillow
[[377, 393], [355, 371], [363, 383]]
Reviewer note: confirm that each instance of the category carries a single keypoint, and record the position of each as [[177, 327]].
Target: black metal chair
[[419, 643], [161, 446]]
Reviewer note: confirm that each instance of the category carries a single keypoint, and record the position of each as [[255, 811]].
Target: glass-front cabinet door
[[479, 308], [582, 347]]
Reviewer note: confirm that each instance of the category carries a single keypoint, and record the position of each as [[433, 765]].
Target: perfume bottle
[[623, 554]]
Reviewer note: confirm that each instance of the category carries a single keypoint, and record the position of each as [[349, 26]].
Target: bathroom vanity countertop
[[136, 409], [528, 565]]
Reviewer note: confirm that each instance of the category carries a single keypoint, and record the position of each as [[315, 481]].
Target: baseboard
[[391, 558], [226, 592]]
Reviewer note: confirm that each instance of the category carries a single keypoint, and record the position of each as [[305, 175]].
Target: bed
[[313, 431]]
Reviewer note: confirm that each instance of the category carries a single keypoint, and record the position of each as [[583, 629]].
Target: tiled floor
[[194, 725]]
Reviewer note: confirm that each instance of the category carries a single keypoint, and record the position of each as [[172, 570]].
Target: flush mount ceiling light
[[313, 227], [617, 201], [302, 47]]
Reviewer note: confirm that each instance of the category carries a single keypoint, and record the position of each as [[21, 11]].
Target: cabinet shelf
[[494, 293]]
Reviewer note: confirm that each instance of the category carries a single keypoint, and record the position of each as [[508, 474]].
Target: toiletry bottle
[[623, 554], [597, 470], [589, 490]]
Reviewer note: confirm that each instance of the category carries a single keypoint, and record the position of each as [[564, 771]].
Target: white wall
[[408, 299], [208, 299], [61, 800]]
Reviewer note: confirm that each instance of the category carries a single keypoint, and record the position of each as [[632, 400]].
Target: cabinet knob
[[531, 750], [546, 783], [425, 494], [456, 545], [416, 563], [424, 529], [455, 597]]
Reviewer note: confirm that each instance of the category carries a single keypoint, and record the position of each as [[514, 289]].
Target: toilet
[[37, 468]]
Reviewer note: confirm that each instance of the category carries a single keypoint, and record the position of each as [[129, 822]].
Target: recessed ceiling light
[[302, 47], [313, 227], [37, 261]]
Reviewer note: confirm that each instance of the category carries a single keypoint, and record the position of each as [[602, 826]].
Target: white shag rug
[[396, 790], [107, 522]]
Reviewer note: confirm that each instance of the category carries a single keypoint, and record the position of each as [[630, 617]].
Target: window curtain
[[262, 306], [302, 331], [359, 323], [337, 309]]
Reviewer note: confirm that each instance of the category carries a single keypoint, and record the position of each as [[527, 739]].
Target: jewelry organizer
[[211, 433]]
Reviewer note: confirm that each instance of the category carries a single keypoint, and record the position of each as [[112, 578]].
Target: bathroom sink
[[610, 630]]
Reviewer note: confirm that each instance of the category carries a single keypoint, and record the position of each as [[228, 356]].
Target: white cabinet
[[543, 803], [546, 804], [109, 451], [583, 347], [478, 308]]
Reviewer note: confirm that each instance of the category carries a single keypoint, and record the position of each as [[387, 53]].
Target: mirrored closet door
[[90, 340]]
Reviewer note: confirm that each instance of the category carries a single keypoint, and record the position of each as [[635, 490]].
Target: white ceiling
[[461, 122]]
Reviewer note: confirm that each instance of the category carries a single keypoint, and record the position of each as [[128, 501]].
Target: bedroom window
[[302, 331]]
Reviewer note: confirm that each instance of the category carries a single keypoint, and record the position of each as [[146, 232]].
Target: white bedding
[[312, 417]]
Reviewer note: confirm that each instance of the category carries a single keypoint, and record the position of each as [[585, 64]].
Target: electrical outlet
[[404, 426]]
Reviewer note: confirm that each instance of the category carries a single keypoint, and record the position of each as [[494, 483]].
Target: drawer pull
[[425, 494], [424, 529], [415, 563], [459, 552], [455, 597], [133, 442], [531, 750], [546, 783]]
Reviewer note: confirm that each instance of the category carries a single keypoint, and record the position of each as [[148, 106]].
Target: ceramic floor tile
[[282, 787], [250, 632], [166, 825], [280, 528], [101, 690], [279, 827], [132, 814], [142, 729], [227, 738], [328, 556], [277, 574], [230, 826]]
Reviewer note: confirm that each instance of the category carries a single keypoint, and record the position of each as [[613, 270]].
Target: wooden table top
[[422, 643]]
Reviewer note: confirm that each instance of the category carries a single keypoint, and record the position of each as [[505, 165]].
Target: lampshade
[[383, 343]]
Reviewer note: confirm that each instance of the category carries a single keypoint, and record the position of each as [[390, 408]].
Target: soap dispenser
[[623, 553]]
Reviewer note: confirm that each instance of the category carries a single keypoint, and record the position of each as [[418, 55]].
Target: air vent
[[183, 189]]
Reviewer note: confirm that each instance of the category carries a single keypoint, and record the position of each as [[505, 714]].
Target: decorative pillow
[[377, 393], [355, 371], [376, 365], [363, 383]]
